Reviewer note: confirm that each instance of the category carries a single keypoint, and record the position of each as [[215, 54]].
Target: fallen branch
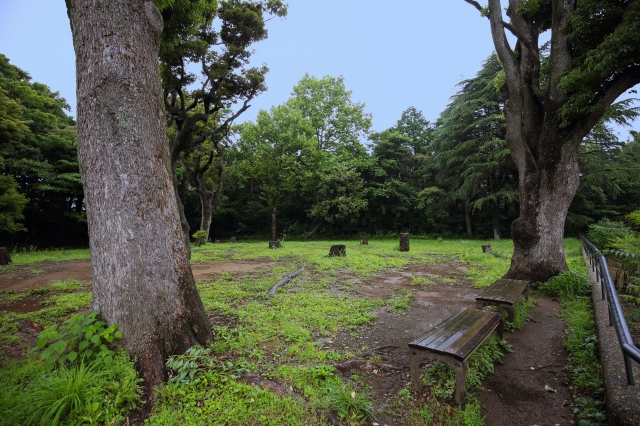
[[379, 348], [283, 281]]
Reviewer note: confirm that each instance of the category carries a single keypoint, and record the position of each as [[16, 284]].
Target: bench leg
[[415, 356], [500, 329], [460, 369], [511, 312]]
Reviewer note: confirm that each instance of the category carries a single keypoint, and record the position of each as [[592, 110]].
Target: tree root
[[283, 281]]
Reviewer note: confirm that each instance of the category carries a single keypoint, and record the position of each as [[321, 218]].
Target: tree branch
[[506, 25], [222, 127], [615, 88]]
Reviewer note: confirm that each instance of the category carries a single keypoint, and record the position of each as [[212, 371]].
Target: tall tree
[[471, 156], [218, 37], [279, 154], [142, 279], [551, 104], [38, 151]]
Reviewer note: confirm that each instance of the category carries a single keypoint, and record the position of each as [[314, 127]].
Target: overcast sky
[[392, 55]]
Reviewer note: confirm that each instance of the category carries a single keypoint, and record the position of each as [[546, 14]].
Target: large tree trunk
[[142, 279], [467, 217], [538, 234]]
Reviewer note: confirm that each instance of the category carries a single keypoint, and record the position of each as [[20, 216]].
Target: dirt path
[[516, 395], [24, 278]]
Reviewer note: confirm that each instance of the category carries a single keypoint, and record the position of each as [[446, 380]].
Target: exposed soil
[[515, 395]]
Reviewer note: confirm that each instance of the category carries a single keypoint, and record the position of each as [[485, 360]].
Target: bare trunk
[[142, 279], [313, 231], [538, 234], [206, 202], [467, 217], [273, 224], [184, 223], [496, 221]]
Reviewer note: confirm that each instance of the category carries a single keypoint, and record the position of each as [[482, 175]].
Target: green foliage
[[569, 284], [12, 203], [43, 393], [604, 231], [584, 363], [82, 338], [351, 406], [197, 361], [441, 379], [38, 160]]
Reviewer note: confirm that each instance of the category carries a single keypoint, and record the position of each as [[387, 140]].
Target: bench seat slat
[[455, 336], [504, 290], [461, 351], [445, 328], [468, 319]]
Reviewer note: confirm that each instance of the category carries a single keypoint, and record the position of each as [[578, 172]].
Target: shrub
[[81, 337], [569, 284], [604, 231]]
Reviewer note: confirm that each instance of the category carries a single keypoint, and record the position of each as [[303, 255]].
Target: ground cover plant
[[291, 340], [574, 289]]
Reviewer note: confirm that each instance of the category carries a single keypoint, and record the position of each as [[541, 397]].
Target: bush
[[49, 393], [604, 231], [569, 284]]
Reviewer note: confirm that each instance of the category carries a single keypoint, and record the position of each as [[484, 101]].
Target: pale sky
[[392, 55]]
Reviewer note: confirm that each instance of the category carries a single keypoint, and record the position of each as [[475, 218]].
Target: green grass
[[37, 392], [283, 338], [27, 257]]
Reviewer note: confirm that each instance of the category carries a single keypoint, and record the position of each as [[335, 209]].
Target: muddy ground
[[516, 395]]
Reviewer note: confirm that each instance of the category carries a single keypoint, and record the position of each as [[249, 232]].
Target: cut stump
[[337, 250], [233, 239], [486, 249], [274, 244], [404, 242], [5, 259], [364, 240]]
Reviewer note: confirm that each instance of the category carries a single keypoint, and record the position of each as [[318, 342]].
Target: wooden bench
[[452, 342], [503, 294]]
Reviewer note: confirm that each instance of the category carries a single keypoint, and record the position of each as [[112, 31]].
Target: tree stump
[[486, 249], [364, 240], [274, 244], [404, 242], [337, 250], [5, 259], [233, 239]]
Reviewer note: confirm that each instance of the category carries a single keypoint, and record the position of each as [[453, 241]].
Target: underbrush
[[72, 378], [441, 382]]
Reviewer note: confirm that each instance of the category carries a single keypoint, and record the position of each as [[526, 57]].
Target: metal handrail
[[616, 316]]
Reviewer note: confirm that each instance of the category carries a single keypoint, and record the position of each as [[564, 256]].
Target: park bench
[[503, 294], [452, 342]]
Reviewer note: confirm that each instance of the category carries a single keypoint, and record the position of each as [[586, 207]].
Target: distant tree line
[[309, 168]]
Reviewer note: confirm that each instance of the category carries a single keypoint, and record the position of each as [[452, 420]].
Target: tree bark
[[496, 221], [467, 217], [273, 224], [142, 279]]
